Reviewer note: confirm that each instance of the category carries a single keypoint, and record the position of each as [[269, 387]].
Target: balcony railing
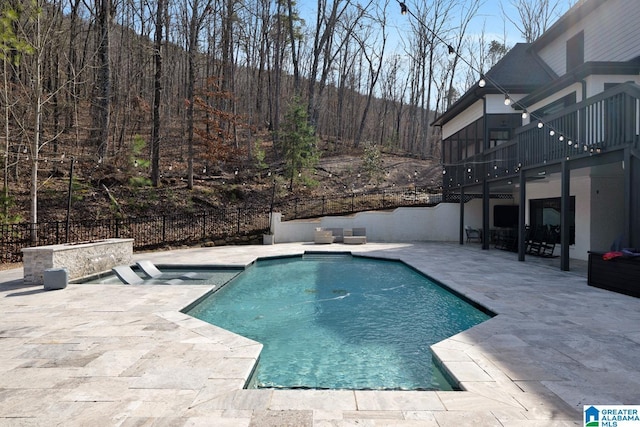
[[608, 121]]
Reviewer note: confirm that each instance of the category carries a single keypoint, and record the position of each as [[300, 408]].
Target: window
[[575, 51], [556, 106], [545, 214], [498, 136]]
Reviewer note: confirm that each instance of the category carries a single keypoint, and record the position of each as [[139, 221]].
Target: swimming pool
[[340, 322]]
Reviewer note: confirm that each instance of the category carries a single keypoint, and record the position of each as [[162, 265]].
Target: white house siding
[[495, 103], [463, 119], [576, 87], [595, 84], [611, 33]]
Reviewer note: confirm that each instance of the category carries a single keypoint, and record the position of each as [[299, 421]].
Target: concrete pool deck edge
[[123, 355]]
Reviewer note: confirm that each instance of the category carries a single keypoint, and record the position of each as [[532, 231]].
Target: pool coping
[[142, 367]]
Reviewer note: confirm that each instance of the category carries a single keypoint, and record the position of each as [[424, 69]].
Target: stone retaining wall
[[80, 259]]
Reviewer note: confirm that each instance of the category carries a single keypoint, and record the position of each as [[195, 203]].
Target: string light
[[482, 82]]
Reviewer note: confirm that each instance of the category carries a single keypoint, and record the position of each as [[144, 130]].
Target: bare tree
[[157, 93], [326, 48], [10, 44], [425, 51], [534, 16], [468, 11], [194, 14], [373, 53], [103, 83]]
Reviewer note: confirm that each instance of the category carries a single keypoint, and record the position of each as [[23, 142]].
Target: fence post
[[295, 208], [353, 196], [238, 220], [164, 229], [117, 228], [383, 198], [204, 225], [323, 201]]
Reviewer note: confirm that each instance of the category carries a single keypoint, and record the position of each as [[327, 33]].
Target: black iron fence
[[230, 225], [148, 232]]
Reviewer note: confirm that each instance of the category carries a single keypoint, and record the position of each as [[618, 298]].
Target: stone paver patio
[[125, 355]]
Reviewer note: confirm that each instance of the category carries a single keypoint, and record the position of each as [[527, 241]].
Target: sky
[[489, 18]]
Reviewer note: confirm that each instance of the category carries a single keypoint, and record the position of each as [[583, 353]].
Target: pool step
[[326, 256]]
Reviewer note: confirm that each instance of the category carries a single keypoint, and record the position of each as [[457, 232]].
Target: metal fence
[[148, 232], [230, 224]]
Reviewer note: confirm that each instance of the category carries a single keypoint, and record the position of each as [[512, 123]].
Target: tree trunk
[[104, 78], [35, 142], [157, 94]]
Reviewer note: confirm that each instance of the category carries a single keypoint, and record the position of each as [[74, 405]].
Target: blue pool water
[[340, 322]]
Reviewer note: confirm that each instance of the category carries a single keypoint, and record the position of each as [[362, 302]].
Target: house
[[563, 155]]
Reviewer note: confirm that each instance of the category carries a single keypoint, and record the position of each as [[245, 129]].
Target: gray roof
[[519, 71]]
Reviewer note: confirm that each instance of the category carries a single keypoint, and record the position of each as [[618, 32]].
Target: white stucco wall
[[440, 223], [599, 219]]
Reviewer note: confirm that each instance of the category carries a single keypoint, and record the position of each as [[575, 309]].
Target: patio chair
[[358, 236], [322, 237], [151, 271], [473, 234], [129, 277]]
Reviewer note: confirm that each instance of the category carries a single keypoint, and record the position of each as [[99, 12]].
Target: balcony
[[604, 123]]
